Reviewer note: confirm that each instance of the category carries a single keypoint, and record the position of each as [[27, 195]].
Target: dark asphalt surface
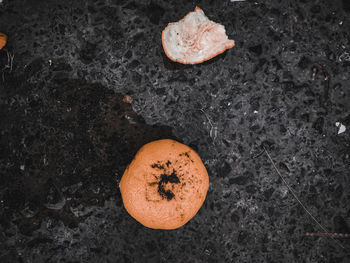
[[67, 136]]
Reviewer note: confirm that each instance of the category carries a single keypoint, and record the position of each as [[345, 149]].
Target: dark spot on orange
[[185, 153], [164, 179], [157, 166]]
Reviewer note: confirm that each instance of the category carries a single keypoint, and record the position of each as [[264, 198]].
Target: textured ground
[[66, 135]]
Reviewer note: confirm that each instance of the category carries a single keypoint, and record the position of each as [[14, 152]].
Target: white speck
[[50, 61], [256, 112], [341, 22], [341, 127], [130, 119], [213, 133], [22, 166], [45, 161], [96, 190], [284, 191], [253, 208], [236, 1]]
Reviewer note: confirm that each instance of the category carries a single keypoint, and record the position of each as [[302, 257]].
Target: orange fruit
[[3, 40], [165, 185]]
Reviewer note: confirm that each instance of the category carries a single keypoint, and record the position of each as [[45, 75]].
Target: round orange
[[165, 185]]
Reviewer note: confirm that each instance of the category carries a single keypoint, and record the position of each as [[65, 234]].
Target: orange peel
[[195, 39]]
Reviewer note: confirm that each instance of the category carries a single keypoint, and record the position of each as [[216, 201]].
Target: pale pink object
[[195, 39]]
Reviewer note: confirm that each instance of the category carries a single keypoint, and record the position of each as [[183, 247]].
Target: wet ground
[[67, 135]]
